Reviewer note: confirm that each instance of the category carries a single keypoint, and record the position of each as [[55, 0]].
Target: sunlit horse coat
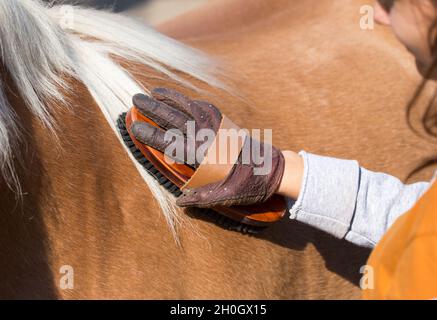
[[303, 68]]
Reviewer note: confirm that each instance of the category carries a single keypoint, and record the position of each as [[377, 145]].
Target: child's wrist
[[293, 175]]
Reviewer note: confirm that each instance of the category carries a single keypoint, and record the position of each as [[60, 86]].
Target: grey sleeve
[[350, 202]]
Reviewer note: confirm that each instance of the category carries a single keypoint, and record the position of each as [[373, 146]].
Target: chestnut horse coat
[[304, 69]]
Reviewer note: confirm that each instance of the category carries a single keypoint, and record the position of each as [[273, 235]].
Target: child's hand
[[242, 186]]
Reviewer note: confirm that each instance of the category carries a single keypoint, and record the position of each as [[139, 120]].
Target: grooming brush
[[246, 219]]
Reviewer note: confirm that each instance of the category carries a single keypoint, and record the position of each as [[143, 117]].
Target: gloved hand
[[171, 110]]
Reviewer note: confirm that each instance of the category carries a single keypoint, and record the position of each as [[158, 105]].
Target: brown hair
[[429, 117], [429, 121]]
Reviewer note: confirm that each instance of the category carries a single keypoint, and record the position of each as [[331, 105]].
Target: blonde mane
[[41, 45]]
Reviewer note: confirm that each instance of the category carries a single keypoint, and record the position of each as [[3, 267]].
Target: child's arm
[[344, 199]]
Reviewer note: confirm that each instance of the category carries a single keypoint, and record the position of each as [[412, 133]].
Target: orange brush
[[174, 176]]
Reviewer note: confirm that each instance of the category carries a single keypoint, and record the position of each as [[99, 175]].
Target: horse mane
[[42, 46]]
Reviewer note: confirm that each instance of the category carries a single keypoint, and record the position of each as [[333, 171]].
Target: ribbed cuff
[[328, 194]]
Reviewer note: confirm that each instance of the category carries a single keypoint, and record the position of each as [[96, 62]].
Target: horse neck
[[221, 18], [81, 197]]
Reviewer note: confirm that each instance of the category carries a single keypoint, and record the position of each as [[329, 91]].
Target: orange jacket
[[404, 263]]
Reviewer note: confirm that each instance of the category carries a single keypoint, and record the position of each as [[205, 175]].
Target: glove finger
[[200, 197], [163, 115], [213, 195], [207, 116], [170, 142], [156, 138], [175, 99], [204, 113]]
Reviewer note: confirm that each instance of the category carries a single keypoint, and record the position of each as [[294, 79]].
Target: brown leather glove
[[171, 110]]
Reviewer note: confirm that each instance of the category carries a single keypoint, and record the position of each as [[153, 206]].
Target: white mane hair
[[41, 45]]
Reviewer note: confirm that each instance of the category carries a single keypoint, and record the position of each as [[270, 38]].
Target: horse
[[80, 220]]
